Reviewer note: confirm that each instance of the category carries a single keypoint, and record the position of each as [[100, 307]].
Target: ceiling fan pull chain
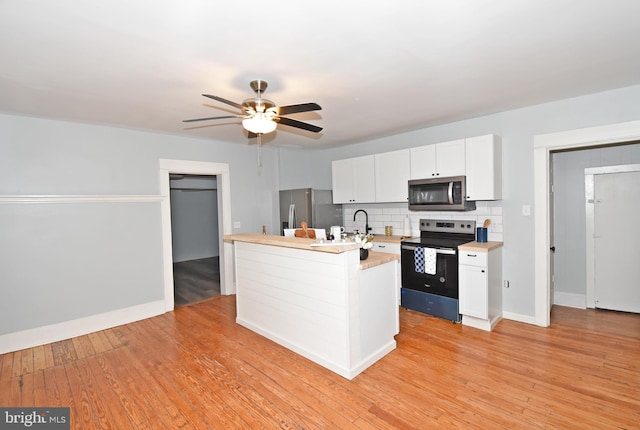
[[259, 149]]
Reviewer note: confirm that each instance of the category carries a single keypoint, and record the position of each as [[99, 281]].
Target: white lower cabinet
[[390, 248], [480, 293]]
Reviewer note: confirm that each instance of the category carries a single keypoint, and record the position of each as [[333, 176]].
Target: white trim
[[589, 184], [221, 171], [518, 317], [35, 198], [543, 145], [78, 327]]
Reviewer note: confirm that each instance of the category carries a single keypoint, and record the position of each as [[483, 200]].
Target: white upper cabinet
[[441, 159], [484, 168], [392, 176], [382, 178], [354, 180]]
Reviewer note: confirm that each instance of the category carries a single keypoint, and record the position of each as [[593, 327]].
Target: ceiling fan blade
[[299, 124], [213, 117], [303, 107], [229, 102]]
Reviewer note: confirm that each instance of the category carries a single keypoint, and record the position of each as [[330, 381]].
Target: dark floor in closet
[[196, 280]]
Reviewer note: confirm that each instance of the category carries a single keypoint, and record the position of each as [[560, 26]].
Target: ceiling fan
[[261, 116]]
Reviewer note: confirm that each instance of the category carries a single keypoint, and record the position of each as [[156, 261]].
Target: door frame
[[543, 145], [589, 190], [185, 167]]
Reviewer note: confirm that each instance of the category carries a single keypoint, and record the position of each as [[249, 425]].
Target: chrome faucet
[[366, 222]]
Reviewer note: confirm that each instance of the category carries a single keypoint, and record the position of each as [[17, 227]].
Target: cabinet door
[[342, 181], [473, 294], [450, 158], [392, 175], [364, 183], [484, 168], [423, 162]]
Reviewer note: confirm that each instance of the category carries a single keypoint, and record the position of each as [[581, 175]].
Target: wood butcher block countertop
[[480, 246], [288, 242], [390, 239], [375, 258]]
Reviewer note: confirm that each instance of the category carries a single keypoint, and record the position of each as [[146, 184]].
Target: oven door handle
[[438, 250]]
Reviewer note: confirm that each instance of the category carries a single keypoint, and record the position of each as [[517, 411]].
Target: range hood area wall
[[393, 214]]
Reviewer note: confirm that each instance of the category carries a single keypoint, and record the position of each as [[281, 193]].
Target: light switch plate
[[236, 224]]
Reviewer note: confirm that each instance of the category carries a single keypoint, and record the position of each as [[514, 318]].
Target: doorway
[[543, 145], [612, 237], [221, 172], [194, 229], [568, 217]]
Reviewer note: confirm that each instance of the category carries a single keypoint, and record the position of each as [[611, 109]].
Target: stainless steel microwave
[[439, 194]]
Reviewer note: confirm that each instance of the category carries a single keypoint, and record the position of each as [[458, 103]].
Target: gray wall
[[569, 210], [63, 261], [517, 128]]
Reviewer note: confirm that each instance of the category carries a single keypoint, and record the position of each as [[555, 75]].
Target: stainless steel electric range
[[430, 267]]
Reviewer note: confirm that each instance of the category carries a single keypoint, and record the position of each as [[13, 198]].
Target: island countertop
[[288, 242], [375, 258]]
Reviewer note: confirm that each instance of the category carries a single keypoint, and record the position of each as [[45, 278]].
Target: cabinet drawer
[[473, 258], [391, 248]]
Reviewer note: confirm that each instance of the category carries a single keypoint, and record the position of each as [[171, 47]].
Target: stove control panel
[[448, 226]]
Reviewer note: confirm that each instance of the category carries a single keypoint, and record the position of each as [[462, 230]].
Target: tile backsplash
[[393, 214]]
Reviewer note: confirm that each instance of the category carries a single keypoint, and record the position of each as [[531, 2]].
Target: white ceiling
[[376, 67]]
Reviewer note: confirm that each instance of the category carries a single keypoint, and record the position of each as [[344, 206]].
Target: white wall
[[569, 215], [517, 129], [66, 257]]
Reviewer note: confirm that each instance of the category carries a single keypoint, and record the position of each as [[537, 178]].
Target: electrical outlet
[[236, 224]]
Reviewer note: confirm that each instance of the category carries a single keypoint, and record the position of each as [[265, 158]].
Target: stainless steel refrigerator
[[306, 204]]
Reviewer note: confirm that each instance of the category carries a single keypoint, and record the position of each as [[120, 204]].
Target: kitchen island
[[318, 300]]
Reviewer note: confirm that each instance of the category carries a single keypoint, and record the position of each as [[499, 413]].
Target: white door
[[617, 241]]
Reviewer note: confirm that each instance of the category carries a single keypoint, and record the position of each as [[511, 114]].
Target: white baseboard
[[65, 330], [570, 299], [528, 319]]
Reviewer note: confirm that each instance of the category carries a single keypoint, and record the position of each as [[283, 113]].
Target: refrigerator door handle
[[292, 215]]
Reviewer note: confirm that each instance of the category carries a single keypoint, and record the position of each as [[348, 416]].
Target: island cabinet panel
[[319, 305]]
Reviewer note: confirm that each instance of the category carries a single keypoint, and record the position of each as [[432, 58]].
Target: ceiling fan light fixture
[[259, 124]]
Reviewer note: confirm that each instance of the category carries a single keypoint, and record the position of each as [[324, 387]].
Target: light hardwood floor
[[195, 368]]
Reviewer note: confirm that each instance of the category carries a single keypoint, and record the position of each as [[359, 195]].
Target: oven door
[[443, 283]]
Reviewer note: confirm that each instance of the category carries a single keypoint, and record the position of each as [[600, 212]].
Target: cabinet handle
[[472, 255]]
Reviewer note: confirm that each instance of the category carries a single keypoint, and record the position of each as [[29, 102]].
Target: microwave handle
[[450, 193]]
